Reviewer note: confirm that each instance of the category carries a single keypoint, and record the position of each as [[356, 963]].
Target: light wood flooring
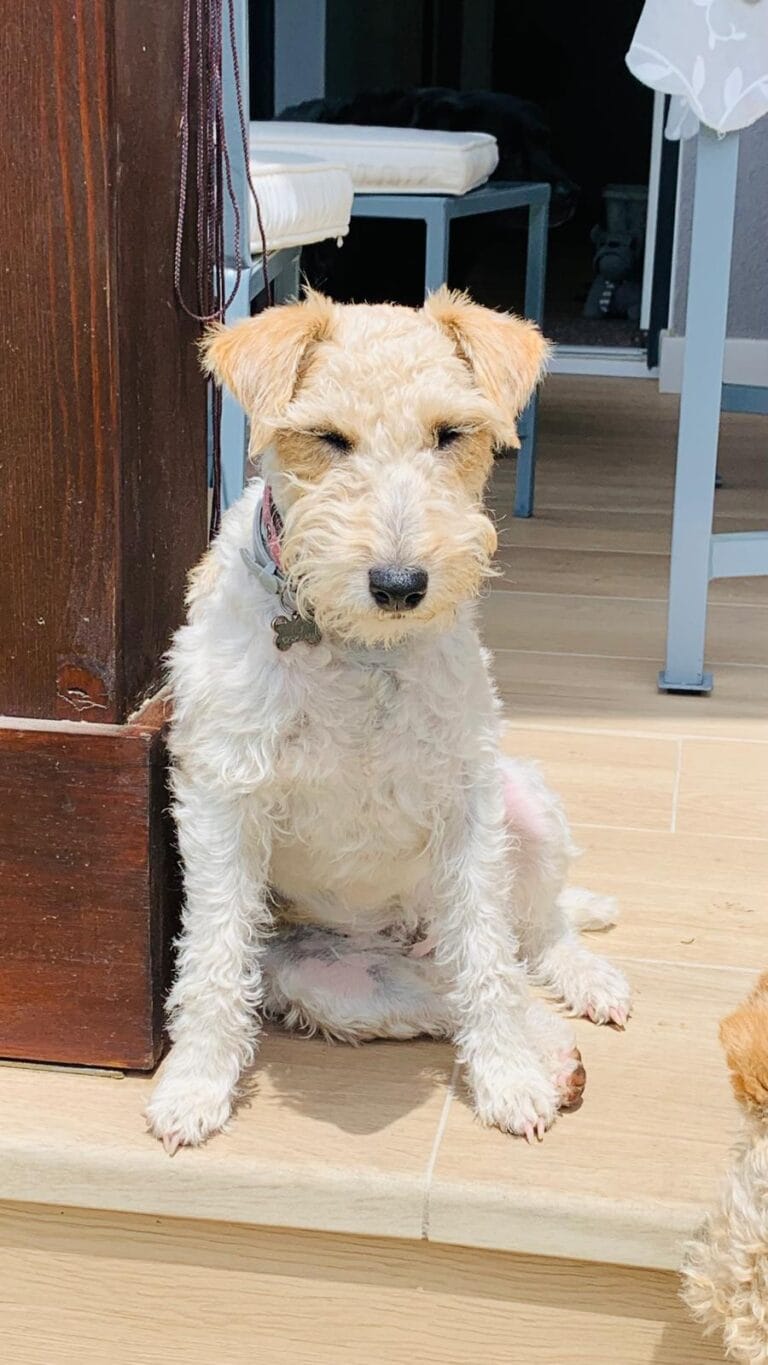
[[317, 1204]]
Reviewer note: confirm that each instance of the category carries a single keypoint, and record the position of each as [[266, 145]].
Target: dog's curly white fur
[[358, 856]]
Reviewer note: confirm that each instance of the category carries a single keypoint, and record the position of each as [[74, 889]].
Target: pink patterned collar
[[265, 561], [271, 527]]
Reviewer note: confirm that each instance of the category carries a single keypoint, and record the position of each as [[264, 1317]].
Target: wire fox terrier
[[359, 857]]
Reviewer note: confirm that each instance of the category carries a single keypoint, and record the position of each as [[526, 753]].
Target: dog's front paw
[[183, 1112], [606, 997], [555, 1043], [587, 984], [517, 1097]]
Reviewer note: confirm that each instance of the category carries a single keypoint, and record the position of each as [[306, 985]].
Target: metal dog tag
[[295, 630]]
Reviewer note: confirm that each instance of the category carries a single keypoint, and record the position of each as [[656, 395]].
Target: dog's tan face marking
[[382, 441]]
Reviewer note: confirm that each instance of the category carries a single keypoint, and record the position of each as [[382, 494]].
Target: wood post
[[103, 497], [102, 411]]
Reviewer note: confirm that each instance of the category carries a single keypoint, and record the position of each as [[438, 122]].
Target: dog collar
[[264, 560]]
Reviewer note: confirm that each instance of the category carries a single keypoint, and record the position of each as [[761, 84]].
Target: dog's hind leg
[[546, 912], [351, 988]]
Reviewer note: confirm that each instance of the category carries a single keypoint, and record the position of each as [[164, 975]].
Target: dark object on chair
[[518, 126], [385, 260]]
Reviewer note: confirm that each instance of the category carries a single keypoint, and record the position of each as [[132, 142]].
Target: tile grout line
[[612, 597], [676, 787], [581, 596], [544, 508], [439, 1134], [577, 549], [574, 654], [659, 829], [671, 962], [512, 589], [554, 728], [617, 658], [627, 829]]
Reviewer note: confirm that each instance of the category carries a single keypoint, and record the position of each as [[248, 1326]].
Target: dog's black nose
[[398, 589]]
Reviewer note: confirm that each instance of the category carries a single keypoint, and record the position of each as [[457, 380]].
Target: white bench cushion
[[388, 160], [302, 199]]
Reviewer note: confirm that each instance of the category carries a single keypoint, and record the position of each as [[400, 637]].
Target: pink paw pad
[[572, 1080]]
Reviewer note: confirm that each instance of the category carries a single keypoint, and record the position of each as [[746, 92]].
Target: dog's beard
[[330, 544]]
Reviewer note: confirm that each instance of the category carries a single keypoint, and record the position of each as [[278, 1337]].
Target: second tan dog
[[725, 1274]]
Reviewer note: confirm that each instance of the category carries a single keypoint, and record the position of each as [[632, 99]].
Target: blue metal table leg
[[525, 473], [234, 424], [438, 243], [705, 327], [285, 275], [535, 280]]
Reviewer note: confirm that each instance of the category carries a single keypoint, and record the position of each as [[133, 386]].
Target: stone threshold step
[[380, 1141]]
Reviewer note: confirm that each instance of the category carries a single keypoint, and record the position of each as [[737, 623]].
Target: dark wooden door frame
[[661, 284], [102, 513], [102, 412]]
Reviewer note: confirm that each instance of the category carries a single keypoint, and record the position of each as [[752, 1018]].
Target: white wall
[[748, 306]]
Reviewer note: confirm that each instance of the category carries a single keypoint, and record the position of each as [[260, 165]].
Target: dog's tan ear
[[506, 354], [261, 359], [744, 1037]]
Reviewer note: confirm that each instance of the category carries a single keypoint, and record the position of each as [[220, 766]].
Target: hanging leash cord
[[202, 100]]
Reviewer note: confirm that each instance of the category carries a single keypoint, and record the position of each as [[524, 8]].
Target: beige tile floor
[[668, 799]]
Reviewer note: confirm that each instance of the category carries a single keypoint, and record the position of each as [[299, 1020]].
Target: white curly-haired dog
[[358, 856]]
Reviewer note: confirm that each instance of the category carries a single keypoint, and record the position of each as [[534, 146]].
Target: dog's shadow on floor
[[358, 1090]]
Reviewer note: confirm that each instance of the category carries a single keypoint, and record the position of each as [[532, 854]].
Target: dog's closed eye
[[335, 439], [446, 436]]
